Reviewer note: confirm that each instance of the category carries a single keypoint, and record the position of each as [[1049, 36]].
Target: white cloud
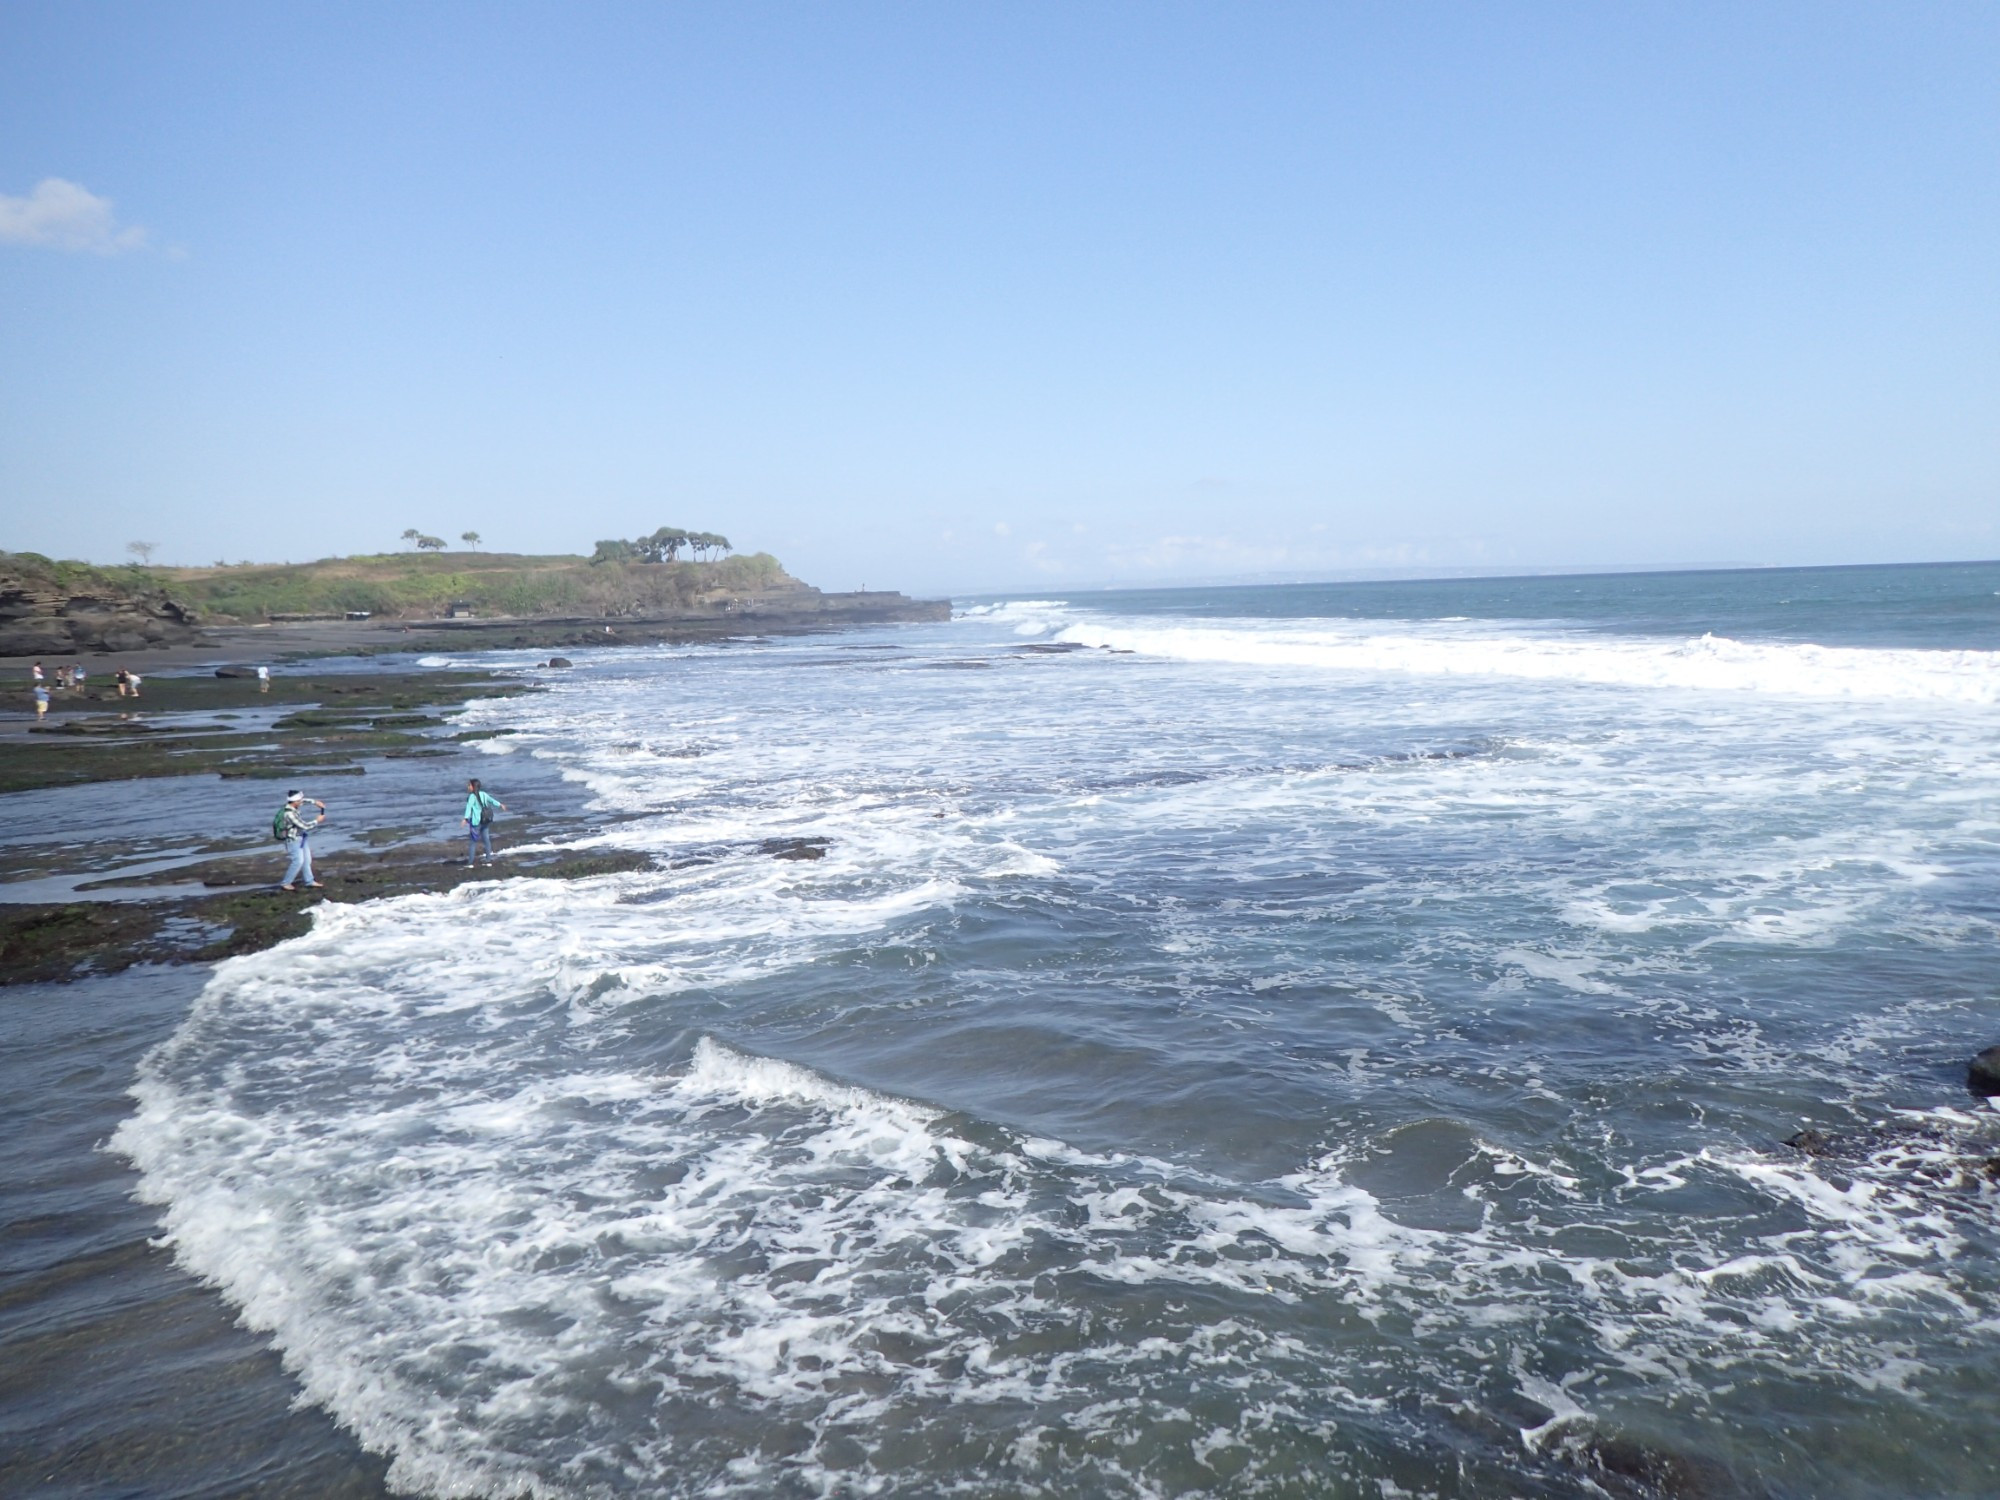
[[61, 215]]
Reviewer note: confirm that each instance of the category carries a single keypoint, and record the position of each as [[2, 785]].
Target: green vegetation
[[80, 577], [662, 546], [423, 584]]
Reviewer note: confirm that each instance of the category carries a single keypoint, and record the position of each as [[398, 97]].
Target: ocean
[[1320, 1040]]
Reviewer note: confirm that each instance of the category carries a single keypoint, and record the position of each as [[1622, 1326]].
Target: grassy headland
[[413, 585], [629, 593]]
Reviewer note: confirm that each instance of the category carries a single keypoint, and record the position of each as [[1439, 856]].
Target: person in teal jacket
[[481, 807]]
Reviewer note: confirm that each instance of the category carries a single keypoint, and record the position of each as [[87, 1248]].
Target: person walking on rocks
[[263, 679], [296, 830], [481, 807], [41, 700]]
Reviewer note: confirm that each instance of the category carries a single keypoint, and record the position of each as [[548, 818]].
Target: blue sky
[[1006, 296]]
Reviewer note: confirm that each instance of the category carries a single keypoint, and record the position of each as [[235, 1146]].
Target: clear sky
[[1006, 295]]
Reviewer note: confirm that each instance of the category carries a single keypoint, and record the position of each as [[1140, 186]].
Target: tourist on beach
[[76, 677], [480, 809], [41, 699], [35, 674], [122, 679], [297, 828], [132, 681], [263, 679]]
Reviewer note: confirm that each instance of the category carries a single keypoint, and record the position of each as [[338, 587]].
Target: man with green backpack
[[293, 829], [481, 808]]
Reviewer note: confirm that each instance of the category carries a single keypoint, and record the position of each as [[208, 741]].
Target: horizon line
[[1442, 574]]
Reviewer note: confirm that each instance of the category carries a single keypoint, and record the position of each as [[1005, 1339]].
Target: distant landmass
[[51, 607]]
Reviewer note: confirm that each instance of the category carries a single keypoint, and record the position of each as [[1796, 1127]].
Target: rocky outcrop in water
[[47, 609], [1982, 1074]]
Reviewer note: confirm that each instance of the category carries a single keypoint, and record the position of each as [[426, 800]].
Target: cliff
[[473, 598], [50, 608]]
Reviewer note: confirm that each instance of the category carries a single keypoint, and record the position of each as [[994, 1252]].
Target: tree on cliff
[[470, 538], [430, 544], [411, 536], [143, 551], [663, 545]]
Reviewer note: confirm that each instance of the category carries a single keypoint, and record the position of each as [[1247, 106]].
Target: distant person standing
[[123, 679], [481, 807], [35, 674], [41, 699], [263, 679], [296, 828]]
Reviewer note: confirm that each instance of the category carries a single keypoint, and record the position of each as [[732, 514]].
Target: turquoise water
[[1331, 1040]]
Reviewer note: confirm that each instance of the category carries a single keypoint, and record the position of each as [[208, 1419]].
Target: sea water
[[1322, 1040]]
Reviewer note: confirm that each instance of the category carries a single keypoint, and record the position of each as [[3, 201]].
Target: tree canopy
[[663, 546]]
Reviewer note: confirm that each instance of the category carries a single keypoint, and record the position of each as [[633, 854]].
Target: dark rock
[[243, 911], [561, 661], [235, 671], [1811, 1142], [57, 609], [1982, 1074], [794, 848], [1632, 1468]]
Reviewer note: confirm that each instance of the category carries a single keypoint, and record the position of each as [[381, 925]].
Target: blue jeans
[[475, 835], [302, 860]]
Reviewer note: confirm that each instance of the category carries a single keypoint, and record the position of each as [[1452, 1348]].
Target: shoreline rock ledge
[[1982, 1074], [42, 613]]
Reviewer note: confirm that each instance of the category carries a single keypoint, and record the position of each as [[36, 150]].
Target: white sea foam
[[484, 1166], [1709, 663], [464, 1258]]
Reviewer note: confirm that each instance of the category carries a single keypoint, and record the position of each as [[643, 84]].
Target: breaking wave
[[1707, 663]]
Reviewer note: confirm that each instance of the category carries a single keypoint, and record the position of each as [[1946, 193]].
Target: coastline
[[95, 899], [145, 825], [221, 641], [96, 978], [311, 721]]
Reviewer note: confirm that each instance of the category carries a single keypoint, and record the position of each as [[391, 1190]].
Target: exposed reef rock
[[794, 848], [51, 609], [1982, 1074]]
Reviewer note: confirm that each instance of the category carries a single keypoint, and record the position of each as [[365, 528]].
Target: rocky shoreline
[[44, 614], [217, 895], [192, 895], [203, 712]]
